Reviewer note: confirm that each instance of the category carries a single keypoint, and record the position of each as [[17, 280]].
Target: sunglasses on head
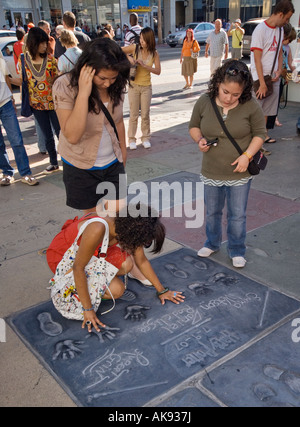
[[233, 71]]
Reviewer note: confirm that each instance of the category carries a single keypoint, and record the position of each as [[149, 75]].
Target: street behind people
[[224, 172], [189, 64], [90, 150], [266, 53], [127, 237], [147, 61], [41, 70], [216, 45], [67, 60], [10, 123], [237, 34]]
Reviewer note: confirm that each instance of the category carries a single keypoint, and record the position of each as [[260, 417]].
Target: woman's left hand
[[174, 296], [241, 163]]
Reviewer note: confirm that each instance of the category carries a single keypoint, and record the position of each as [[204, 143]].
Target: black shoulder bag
[[258, 162], [109, 118]]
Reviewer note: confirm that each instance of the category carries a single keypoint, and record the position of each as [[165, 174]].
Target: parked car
[[201, 32], [6, 52], [7, 33], [249, 27]]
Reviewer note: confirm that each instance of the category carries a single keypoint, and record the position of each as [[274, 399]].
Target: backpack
[[135, 39]]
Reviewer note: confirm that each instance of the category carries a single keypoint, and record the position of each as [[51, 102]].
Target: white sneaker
[[144, 282], [205, 252], [132, 146], [147, 144], [238, 261]]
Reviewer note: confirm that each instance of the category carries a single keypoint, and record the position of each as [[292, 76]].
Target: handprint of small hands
[[134, 312], [67, 349], [105, 332]]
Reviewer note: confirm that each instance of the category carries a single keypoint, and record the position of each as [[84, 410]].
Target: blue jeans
[[47, 119], [11, 125], [236, 198]]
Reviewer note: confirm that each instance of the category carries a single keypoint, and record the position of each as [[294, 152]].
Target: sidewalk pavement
[[30, 217]]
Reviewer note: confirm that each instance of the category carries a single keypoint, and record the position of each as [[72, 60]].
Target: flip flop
[[270, 140]]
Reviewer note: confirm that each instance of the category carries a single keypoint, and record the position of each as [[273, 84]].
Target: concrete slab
[[266, 374], [222, 312], [273, 254]]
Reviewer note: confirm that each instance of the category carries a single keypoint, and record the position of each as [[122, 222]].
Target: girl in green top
[[224, 172]]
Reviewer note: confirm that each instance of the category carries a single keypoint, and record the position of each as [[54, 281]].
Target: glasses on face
[[233, 71]]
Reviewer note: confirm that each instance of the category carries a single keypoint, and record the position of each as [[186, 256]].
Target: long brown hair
[[149, 37]]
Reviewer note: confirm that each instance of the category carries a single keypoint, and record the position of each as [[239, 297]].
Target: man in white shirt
[[216, 44], [264, 44], [10, 123], [135, 30]]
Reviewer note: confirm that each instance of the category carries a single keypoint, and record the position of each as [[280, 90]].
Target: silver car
[[201, 32]]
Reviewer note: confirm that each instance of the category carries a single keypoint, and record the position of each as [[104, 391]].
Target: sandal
[[6, 180], [270, 140], [30, 180]]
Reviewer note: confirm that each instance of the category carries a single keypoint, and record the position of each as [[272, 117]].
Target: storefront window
[[51, 11]]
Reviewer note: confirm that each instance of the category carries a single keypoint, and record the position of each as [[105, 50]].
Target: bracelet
[[162, 292], [88, 309], [248, 155]]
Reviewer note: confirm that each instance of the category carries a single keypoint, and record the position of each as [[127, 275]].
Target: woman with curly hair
[[133, 228], [224, 172], [93, 151]]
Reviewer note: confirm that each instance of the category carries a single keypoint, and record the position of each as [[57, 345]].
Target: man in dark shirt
[[69, 22]]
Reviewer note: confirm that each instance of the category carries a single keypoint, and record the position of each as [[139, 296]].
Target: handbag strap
[[105, 240], [24, 76], [276, 51], [230, 137], [109, 118]]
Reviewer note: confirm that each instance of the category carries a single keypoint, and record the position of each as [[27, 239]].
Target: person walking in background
[[224, 172], [135, 30], [90, 149], [18, 46], [189, 64], [41, 70], [69, 23], [265, 49], [147, 61], [67, 60], [10, 123], [44, 25], [237, 34], [216, 44]]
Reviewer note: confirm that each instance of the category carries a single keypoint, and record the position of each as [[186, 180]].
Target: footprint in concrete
[[224, 278], [176, 272], [291, 379], [128, 295], [263, 391], [200, 288], [200, 265], [48, 326]]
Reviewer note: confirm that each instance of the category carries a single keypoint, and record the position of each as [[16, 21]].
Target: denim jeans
[[45, 119], [236, 198], [11, 125]]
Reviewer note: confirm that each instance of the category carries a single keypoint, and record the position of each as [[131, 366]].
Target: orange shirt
[[187, 46]]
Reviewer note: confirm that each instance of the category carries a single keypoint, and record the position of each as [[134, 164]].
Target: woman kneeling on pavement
[[225, 173], [130, 231]]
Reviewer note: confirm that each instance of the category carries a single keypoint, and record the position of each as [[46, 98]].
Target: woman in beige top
[[144, 57], [92, 151]]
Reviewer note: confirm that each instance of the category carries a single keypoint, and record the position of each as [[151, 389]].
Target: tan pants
[[139, 98]]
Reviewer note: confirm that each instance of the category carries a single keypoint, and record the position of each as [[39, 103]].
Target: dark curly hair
[[103, 53], [141, 227], [232, 71]]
